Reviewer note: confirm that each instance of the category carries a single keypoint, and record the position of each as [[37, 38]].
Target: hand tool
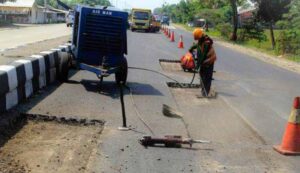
[[169, 141]]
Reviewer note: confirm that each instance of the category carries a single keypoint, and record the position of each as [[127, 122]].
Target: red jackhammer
[[169, 141]]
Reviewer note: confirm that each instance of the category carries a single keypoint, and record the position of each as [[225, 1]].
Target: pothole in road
[[183, 85], [39, 143], [186, 91], [170, 65]]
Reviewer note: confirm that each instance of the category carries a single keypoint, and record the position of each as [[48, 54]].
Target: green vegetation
[[263, 46], [274, 30]]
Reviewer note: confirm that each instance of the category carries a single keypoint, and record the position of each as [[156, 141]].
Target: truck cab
[[141, 19], [165, 20], [155, 23]]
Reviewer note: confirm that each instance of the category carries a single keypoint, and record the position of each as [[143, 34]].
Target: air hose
[[155, 71]]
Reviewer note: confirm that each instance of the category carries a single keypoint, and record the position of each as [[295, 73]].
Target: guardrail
[[23, 77]]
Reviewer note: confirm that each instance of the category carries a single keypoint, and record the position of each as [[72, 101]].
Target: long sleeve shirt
[[205, 52]]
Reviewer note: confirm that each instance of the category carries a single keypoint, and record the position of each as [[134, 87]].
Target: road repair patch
[[49, 144], [170, 65], [183, 85], [185, 90]]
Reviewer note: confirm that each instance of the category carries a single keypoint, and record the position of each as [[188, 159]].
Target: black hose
[[193, 77], [154, 71]]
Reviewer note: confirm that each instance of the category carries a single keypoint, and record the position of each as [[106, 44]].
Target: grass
[[264, 46], [211, 32]]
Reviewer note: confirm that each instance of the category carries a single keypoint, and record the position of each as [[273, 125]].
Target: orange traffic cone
[[169, 33], [172, 39], [180, 44], [291, 139]]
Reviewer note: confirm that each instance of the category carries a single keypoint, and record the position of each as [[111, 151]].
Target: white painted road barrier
[[20, 79]]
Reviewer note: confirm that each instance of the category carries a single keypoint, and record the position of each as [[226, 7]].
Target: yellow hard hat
[[198, 33]]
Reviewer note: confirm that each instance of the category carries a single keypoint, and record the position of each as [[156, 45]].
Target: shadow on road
[[110, 88]]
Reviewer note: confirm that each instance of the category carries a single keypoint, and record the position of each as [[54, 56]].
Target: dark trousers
[[206, 74]]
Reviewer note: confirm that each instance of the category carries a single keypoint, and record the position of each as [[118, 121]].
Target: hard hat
[[198, 33]]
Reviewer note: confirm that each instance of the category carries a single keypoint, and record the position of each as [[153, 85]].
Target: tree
[[157, 11], [251, 29], [291, 20], [233, 4], [52, 3], [271, 11]]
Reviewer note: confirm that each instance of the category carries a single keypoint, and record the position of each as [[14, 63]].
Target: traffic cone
[[169, 33], [172, 39], [180, 44], [291, 139]]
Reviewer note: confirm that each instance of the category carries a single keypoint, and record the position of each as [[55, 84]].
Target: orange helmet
[[198, 33]]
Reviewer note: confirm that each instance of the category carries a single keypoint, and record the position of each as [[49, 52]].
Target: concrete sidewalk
[[25, 51], [13, 38]]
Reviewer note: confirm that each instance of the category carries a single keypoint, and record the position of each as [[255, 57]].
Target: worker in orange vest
[[205, 59]]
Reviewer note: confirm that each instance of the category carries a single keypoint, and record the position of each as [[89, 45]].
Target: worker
[[205, 59]]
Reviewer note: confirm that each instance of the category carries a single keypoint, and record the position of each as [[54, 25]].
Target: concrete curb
[[23, 77]]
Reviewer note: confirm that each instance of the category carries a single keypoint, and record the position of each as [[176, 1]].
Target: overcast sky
[[141, 3]]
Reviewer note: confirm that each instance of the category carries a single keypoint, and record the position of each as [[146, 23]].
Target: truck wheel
[[64, 67], [132, 30], [121, 74]]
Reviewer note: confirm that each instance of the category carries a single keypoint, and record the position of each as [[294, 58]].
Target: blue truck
[[99, 41]]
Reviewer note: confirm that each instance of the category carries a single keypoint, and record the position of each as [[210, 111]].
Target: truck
[[165, 20], [155, 23], [141, 19]]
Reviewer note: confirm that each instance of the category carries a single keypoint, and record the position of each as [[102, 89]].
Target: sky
[[151, 4]]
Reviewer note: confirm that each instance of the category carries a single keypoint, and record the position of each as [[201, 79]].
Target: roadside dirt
[[49, 147], [10, 55]]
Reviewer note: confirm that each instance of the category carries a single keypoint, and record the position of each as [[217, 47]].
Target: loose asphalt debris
[[183, 85], [24, 137]]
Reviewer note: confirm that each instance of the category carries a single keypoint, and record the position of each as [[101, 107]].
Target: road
[[243, 123], [25, 34], [262, 92]]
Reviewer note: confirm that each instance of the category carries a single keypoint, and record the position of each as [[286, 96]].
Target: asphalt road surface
[[243, 123], [25, 34], [261, 92]]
